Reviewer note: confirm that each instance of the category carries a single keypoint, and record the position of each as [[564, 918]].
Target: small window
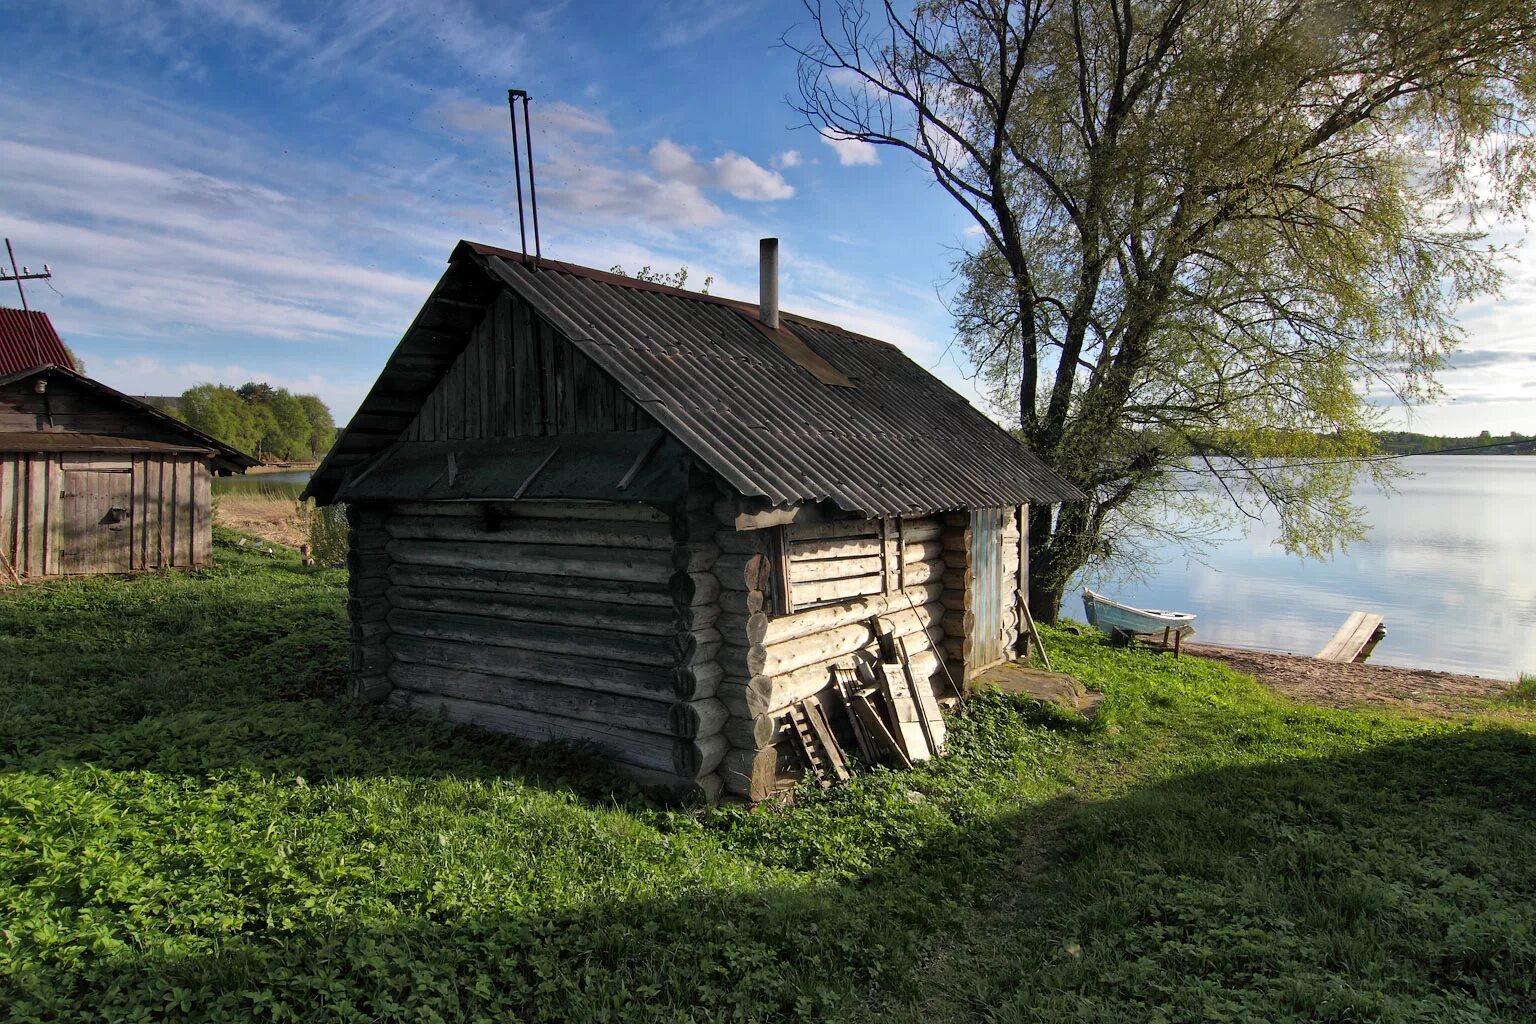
[[830, 563]]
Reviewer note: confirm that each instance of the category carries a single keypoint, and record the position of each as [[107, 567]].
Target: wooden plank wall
[[587, 622], [170, 515], [67, 406], [517, 378], [29, 520], [841, 574]]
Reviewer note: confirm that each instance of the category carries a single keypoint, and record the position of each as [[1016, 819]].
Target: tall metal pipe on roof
[[768, 281]]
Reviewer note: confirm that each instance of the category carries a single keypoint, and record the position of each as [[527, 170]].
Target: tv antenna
[[513, 95], [26, 274]]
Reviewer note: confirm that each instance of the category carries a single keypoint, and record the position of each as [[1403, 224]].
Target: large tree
[[1208, 228]]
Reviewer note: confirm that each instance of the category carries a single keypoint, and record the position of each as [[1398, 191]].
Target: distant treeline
[[270, 423], [1401, 442]]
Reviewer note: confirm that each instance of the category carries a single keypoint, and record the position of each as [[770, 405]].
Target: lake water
[[1450, 562]]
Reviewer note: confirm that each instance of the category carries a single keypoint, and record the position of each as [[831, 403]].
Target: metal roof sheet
[[898, 441], [27, 339]]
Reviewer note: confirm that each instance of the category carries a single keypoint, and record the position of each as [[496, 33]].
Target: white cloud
[[729, 172], [852, 152], [788, 158]]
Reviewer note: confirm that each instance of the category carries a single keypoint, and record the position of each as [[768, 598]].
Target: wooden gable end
[[519, 377]]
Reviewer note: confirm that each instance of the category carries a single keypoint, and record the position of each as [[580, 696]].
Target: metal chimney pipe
[[768, 281]]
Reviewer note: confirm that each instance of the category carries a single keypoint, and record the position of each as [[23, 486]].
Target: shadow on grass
[[1393, 885], [377, 868]]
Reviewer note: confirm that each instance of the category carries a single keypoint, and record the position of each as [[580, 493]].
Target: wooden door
[[986, 597], [96, 516]]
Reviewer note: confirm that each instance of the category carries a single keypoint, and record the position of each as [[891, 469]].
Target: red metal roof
[[27, 339]]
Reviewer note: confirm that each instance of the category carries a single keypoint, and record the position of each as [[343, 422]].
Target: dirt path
[[1336, 685]]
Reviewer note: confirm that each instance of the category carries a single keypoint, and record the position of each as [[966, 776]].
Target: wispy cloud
[[788, 158], [852, 152], [730, 172]]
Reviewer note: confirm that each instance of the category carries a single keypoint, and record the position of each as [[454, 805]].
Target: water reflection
[[1450, 561]]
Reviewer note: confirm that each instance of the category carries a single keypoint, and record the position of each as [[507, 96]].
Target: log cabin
[[91, 480], [599, 510]]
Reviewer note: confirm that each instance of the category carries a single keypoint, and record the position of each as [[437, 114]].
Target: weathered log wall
[[796, 600], [592, 623]]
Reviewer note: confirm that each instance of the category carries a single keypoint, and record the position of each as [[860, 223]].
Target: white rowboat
[[1111, 616]]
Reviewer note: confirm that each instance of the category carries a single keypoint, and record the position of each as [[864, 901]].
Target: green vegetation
[[259, 419], [194, 826], [1210, 226], [1402, 442]]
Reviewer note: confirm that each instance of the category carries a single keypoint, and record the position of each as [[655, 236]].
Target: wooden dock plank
[[1354, 640]]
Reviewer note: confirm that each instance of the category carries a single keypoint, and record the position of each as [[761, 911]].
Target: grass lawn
[[194, 825]]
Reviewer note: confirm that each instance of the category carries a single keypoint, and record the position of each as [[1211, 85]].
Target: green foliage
[[1209, 231], [195, 825], [325, 531], [678, 279], [261, 419]]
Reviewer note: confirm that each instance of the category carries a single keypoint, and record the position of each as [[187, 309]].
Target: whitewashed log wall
[[840, 573], [587, 622]]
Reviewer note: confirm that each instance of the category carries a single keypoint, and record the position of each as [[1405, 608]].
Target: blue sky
[[233, 189]]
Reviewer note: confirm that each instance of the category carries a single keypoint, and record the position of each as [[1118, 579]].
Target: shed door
[[986, 639], [96, 532]]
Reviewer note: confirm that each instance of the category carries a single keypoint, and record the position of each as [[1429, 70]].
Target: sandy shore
[[1332, 684]]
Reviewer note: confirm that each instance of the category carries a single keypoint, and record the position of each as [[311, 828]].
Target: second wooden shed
[[593, 509], [93, 481]]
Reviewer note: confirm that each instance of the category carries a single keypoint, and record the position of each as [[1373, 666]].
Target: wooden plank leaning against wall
[[841, 573]]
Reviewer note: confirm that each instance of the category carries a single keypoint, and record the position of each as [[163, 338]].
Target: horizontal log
[[809, 650], [586, 672], [741, 602], [544, 560], [807, 594], [744, 730], [693, 589], [694, 557], [697, 718], [743, 572], [646, 620], [695, 682], [695, 757], [491, 529], [625, 648], [767, 695], [834, 528], [834, 569], [753, 774], [632, 512], [496, 581], [764, 630], [919, 542], [743, 542], [547, 698], [630, 746]]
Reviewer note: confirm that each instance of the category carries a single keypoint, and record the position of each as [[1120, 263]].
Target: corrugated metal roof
[[897, 442], [27, 339]]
